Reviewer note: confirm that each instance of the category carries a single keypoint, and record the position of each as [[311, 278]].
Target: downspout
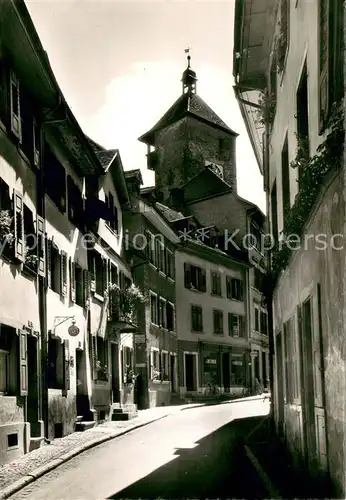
[[271, 283], [43, 295], [42, 281]]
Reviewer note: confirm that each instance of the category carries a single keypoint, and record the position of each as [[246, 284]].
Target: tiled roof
[[106, 156], [170, 214], [188, 104]]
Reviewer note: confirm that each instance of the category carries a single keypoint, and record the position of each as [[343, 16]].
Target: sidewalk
[[29, 467], [281, 477]]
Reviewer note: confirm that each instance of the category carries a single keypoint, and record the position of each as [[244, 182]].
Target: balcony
[[123, 306], [152, 160]]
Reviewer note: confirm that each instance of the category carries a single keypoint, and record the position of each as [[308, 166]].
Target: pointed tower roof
[[188, 104]]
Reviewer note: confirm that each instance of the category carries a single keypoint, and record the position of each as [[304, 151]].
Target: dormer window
[[217, 169]]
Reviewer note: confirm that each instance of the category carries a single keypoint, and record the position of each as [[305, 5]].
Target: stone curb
[[41, 471], [272, 491]]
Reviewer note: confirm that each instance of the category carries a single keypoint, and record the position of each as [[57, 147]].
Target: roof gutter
[[242, 102]]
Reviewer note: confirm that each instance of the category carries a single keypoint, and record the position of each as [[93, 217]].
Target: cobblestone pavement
[[194, 454], [25, 465]]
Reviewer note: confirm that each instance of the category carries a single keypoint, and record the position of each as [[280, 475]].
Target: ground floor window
[[55, 363], [237, 369], [127, 363], [164, 366], [210, 368], [3, 371], [102, 359], [155, 364], [9, 360]]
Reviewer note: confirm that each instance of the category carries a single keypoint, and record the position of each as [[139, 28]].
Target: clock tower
[[189, 138]]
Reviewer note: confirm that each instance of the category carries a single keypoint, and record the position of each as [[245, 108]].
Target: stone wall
[[309, 267], [183, 148]]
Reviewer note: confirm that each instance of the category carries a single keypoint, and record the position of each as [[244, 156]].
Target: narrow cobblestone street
[[31, 462], [190, 454]]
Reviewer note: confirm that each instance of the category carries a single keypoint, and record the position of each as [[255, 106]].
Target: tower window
[[221, 146]]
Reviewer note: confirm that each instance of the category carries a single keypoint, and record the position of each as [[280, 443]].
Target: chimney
[[177, 198]]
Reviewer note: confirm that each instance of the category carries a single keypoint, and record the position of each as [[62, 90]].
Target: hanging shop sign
[[73, 330]]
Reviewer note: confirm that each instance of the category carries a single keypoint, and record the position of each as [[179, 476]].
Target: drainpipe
[[43, 297], [270, 295]]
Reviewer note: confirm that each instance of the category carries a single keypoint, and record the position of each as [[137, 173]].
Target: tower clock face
[[217, 169]]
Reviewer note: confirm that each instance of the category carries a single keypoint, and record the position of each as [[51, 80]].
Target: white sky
[[119, 65]]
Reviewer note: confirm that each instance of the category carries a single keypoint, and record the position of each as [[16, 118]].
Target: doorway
[[33, 386], [280, 384], [190, 372], [308, 406], [81, 387], [225, 371], [173, 377], [115, 373], [264, 369]]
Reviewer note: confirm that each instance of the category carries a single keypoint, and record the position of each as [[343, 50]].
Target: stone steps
[[81, 426]]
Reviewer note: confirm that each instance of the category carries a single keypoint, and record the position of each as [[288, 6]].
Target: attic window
[[217, 169]]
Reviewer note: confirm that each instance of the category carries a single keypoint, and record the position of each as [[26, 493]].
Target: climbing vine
[[266, 113], [312, 172]]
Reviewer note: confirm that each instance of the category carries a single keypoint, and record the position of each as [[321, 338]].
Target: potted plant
[[6, 231], [102, 370], [155, 374], [125, 301], [31, 260], [129, 376]]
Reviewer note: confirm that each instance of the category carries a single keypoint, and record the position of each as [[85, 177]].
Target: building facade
[[152, 242], [298, 74], [67, 319], [193, 154], [212, 321]]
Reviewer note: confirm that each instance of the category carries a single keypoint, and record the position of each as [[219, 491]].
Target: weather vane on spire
[[187, 51]]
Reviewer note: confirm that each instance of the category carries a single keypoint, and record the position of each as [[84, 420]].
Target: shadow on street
[[216, 468]]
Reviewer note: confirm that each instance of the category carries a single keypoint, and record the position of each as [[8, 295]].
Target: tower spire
[[189, 77]]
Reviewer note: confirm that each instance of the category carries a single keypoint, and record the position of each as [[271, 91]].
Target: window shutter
[[105, 275], [324, 82], [16, 126], [241, 326], [91, 265], [203, 280], [241, 290], [49, 263], [230, 324], [23, 366], [18, 226], [41, 253], [187, 277], [337, 50], [94, 356], [63, 274], [86, 284], [72, 281], [66, 365]]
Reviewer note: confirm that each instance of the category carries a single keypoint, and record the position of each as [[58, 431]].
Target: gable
[[204, 185]]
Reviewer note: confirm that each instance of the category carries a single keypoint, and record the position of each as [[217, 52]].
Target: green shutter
[[41, 253], [325, 62], [86, 287], [19, 247], [91, 266], [23, 363], [63, 274], [72, 281], [66, 365], [49, 263]]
